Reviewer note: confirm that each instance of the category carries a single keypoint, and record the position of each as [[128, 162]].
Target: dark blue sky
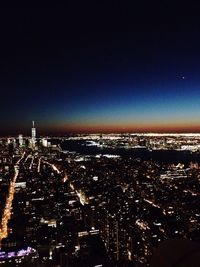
[[103, 67]]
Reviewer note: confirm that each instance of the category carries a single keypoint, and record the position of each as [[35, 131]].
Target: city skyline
[[107, 200], [100, 134], [131, 68]]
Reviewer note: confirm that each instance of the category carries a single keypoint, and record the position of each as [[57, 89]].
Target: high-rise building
[[33, 134], [44, 142], [20, 140]]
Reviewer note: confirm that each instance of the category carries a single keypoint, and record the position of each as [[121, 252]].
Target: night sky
[[102, 67]]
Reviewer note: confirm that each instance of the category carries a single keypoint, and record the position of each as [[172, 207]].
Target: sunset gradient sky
[[102, 68]]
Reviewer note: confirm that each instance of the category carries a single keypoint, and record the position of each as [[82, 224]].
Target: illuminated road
[[31, 164], [27, 157], [39, 164], [65, 178], [152, 203], [20, 158], [82, 197], [52, 166], [7, 211], [8, 206]]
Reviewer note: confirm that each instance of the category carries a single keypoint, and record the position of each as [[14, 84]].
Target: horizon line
[[145, 133]]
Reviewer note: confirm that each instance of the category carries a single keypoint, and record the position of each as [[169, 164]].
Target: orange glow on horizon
[[128, 127]]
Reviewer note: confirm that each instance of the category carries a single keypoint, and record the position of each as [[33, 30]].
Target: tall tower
[[33, 134]]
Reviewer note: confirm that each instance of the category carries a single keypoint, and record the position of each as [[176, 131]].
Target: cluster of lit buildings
[[98, 207], [151, 141]]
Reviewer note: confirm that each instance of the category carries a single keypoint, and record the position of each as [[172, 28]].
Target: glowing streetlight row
[[8, 206]]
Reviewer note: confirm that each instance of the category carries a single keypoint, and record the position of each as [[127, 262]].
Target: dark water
[[168, 156]]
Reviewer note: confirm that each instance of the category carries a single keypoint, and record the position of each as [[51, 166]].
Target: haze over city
[[112, 68]]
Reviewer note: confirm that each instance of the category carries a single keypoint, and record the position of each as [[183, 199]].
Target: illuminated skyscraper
[[33, 134], [20, 140], [44, 142]]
